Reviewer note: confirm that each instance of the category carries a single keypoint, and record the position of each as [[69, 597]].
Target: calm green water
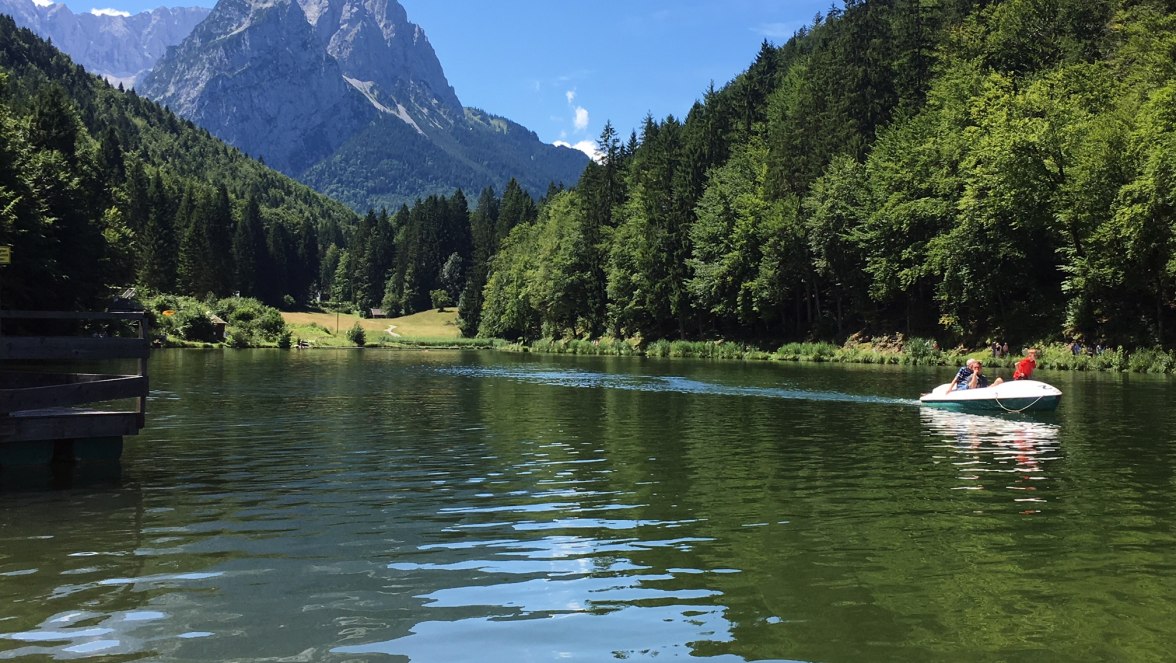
[[445, 506]]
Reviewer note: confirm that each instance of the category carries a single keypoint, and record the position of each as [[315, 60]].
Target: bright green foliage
[[357, 335], [837, 205], [507, 311], [563, 277], [963, 169], [728, 239], [441, 299], [249, 322]]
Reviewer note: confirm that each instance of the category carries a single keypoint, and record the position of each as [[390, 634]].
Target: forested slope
[[963, 169], [100, 188]]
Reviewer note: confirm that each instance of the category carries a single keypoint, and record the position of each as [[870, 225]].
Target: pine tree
[[516, 207], [193, 226], [158, 246], [281, 252], [249, 250], [54, 124], [220, 242], [483, 221], [308, 259]]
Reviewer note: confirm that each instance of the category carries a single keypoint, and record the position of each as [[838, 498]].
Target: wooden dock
[[47, 411]]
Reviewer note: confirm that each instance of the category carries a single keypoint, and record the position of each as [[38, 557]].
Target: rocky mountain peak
[[289, 80], [117, 46], [373, 41]]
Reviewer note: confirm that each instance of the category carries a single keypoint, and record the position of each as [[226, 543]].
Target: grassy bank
[[184, 321], [427, 329], [915, 351]]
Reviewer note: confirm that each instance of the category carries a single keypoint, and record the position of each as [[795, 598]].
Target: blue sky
[[562, 69]]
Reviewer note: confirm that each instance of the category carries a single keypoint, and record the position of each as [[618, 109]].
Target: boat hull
[[1015, 396]]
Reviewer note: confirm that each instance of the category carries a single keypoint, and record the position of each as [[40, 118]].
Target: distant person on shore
[[1026, 366]]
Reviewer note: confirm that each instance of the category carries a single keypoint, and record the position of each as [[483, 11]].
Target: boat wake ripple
[[657, 383]]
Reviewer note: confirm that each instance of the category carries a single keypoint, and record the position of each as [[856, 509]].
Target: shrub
[[1151, 360], [659, 348], [920, 351], [807, 352], [240, 338], [194, 325], [258, 321], [441, 298], [357, 335]]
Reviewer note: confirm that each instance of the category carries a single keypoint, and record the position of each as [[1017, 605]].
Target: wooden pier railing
[[49, 405]]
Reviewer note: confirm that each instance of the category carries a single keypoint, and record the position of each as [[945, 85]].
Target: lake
[[482, 506]]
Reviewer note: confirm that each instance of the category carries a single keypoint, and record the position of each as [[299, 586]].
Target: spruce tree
[[248, 250]]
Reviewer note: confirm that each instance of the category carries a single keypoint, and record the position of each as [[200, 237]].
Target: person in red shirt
[[1025, 367]]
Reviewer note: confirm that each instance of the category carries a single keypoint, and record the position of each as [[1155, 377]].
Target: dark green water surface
[[445, 506]]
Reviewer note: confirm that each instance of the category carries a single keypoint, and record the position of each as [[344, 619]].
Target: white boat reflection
[[996, 452]]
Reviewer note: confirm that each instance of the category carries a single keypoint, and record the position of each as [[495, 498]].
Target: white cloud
[[579, 113], [43, 3], [585, 146], [781, 31], [109, 12]]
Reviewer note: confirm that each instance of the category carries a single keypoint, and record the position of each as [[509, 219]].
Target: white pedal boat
[[1011, 396]]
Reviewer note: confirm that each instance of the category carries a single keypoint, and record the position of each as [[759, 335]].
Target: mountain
[[349, 96], [118, 47], [102, 188]]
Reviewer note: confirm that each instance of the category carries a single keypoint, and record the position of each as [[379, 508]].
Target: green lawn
[[330, 329]]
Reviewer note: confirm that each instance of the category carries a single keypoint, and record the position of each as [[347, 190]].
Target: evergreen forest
[[965, 170], [101, 190]]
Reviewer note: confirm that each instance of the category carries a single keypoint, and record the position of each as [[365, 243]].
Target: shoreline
[[1051, 357]]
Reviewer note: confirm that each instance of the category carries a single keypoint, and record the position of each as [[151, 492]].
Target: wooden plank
[[23, 427], [72, 347], [24, 379], [73, 315], [33, 404], [108, 388]]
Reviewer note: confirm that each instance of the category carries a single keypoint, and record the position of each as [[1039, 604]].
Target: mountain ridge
[[309, 85], [120, 48], [359, 75]]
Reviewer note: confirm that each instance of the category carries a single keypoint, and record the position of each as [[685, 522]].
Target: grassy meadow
[[431, 328]]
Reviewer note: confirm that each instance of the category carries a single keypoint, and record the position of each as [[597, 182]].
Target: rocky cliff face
[[298, 82], [255, 75], [119, 48], [374, 42]]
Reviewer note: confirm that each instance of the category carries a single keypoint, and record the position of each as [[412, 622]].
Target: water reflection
[[69, 573], [459, 507], [544, 598], [997, 452]]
